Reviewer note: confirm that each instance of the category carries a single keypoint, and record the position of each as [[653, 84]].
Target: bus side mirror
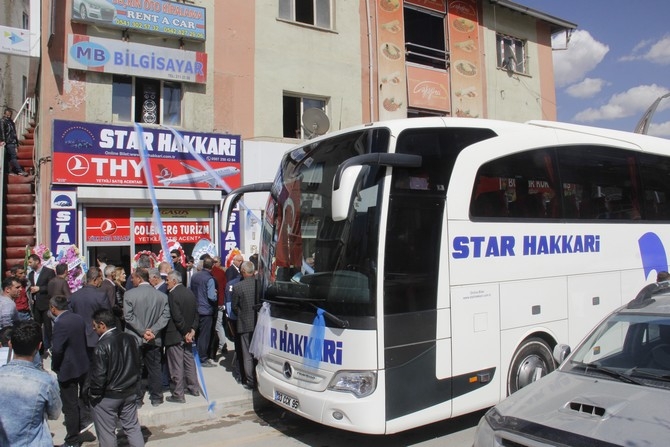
[[341, 197]]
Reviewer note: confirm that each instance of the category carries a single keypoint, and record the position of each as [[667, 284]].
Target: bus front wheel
[[532, 360]]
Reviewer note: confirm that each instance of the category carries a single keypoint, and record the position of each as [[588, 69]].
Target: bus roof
[[641, 140]]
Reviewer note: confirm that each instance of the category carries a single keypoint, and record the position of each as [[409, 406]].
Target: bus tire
[[532, 354]]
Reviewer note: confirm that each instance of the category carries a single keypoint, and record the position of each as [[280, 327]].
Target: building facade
[[145, 105]]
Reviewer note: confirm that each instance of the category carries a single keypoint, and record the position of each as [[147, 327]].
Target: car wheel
[[532, 360], [83, 13]]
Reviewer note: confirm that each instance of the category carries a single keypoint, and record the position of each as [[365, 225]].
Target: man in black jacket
[[114, 376], [179, 338], [9, 140]]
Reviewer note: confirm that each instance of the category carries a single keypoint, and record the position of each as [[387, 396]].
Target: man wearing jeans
[[28, 394]]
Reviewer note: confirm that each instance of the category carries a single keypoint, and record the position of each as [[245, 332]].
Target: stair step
[[20, 188], [15, 199], [25, 152], [20, 219], [19, 241], [19, 208], [15, 252], [20, 230], [11, 262], [17, 179]]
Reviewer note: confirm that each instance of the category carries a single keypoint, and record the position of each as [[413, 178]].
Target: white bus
[[448, 256]]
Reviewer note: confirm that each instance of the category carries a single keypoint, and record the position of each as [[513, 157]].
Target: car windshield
[[631, 347]]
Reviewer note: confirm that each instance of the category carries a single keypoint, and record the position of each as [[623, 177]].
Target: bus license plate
[[289, 401]]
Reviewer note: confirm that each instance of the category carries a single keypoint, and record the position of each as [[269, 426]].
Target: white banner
[[14, 41], [135, 59]]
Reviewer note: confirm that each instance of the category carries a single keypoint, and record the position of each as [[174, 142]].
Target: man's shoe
[[87, 427], [209, 363], [175, 400], [87, 436], [194, 393], [248, 386], [155, 403], [23, 173]]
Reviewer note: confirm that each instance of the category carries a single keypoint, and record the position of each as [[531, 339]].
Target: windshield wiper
[[642, 373], [295, 301], [608, 371]]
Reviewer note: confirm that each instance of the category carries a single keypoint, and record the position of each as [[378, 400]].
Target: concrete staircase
[[18, 217]]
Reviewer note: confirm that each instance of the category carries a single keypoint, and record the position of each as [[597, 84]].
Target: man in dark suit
[[58, 284], [39, 280], [87, 300], [108, 285], [156, 280], [70, 362], [179, 337], [233, 270], [244, 300]]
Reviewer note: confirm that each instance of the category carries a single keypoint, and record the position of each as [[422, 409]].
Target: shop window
[[425, 42], [147, 101], [511, 54], [294, 107], [310, 12]]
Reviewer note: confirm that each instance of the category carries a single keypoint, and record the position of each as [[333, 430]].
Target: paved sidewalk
[[229, 398]]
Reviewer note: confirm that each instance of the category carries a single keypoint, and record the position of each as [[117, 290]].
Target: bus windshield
[[307, 259]]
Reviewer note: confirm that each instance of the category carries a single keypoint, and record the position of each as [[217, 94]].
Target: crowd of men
[[104, 338]]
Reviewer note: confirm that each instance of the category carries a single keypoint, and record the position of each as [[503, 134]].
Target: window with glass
[[293, 109], [147, 101], [511, 54], [310, 12], [425, 41]]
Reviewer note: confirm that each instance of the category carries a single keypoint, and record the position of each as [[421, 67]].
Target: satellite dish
[[315, 122]]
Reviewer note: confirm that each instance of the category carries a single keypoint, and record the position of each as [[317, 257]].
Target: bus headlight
[[359, 383]]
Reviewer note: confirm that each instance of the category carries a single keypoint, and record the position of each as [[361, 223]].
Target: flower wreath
[[173, 245], [152, 258], [76, 264]]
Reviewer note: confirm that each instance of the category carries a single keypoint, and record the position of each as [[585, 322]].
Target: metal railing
[[25, 116]]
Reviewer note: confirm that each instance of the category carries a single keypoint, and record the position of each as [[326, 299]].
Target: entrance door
[[116, 255]]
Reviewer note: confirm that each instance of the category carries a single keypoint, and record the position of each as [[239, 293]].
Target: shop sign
[[231, 237], [14, 41], [105, 154], [63, 218], [197, 213], [149, 16], [428, 89], [107, 225], [135, 59], [183, 231]]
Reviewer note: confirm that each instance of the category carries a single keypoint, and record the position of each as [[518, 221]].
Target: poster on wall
[[391, 60], [467, 78], [105, 154], [148, 16]]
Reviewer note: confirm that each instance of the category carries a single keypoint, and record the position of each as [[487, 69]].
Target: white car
[[614, 390], [88, 10]]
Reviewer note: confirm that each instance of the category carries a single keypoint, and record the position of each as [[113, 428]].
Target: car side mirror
[[561, 352]]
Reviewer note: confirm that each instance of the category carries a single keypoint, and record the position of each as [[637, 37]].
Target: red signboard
[[105, 154], [184, 231], [107, 225]]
